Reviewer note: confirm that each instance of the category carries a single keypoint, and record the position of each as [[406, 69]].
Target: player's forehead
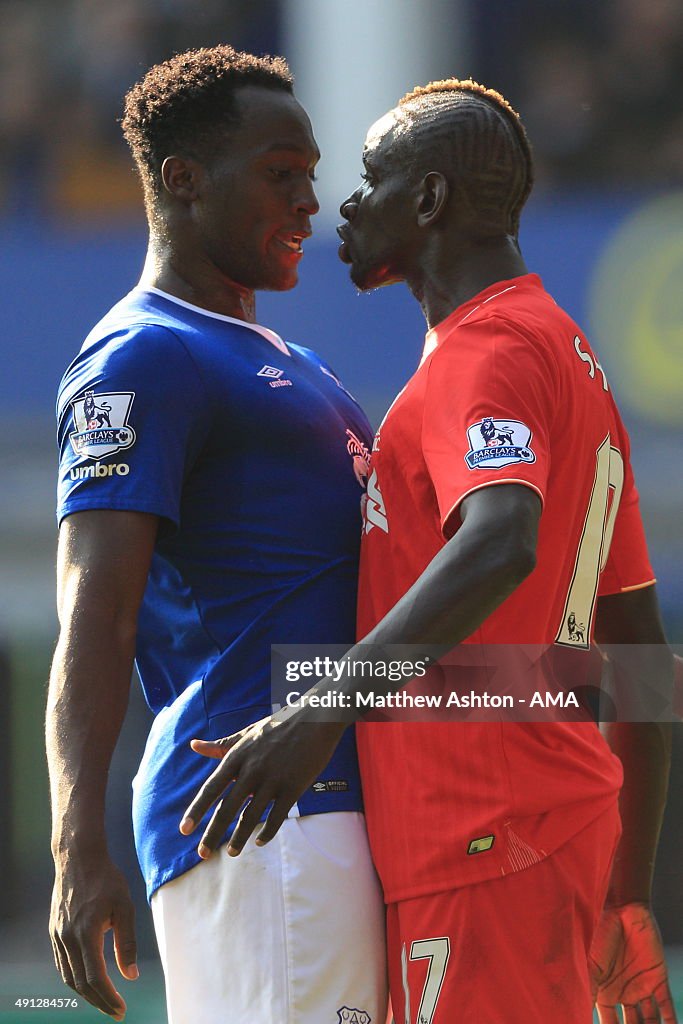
[[270, 121], [383, 136]]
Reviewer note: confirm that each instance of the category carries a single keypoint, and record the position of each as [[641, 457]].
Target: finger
[[62, 961], [91, 979], [596, 973], [125, 946], [249, 819], [666, 1005], [57, 961], [278, 814], [226, 811], [649, 1011], [215, 748], [71, 952], [99, 981], [631, 1014], [607, 1014], [213, 788]]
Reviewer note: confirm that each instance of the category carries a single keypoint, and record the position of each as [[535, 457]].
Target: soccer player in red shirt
[[501, 509]]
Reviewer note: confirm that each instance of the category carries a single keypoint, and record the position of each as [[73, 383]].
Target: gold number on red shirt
[[593, 549], [437, 951]]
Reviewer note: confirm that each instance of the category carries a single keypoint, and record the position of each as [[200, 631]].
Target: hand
[[88, 899], [272, 761], [628, 968]]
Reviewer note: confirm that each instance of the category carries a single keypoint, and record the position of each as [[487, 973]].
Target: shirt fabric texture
[[508, 391], [248, 450]]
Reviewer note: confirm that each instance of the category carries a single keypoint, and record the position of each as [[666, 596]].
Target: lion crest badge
[[496, 443], [101, 422]]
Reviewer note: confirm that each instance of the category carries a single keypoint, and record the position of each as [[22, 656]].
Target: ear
[[432, 198], [181, 177]]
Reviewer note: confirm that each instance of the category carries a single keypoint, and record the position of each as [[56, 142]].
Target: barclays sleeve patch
[[101, 422], [496, 443]]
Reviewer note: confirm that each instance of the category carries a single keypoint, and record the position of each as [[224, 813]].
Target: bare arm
[[103, 562], [627, 957], [644, 748], [482, 564]]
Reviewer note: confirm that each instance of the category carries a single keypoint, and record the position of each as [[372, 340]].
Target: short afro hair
[[482, 141], [178, 105]]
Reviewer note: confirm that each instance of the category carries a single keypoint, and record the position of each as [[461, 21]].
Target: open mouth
[[292, 241]]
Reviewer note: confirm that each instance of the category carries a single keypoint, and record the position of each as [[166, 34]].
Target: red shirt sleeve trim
[[639, 586], [616, 589]]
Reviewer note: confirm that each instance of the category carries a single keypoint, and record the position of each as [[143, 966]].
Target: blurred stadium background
[[599, 87]]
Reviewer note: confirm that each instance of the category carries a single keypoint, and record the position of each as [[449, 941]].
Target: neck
[[446, 281], [187, 275]]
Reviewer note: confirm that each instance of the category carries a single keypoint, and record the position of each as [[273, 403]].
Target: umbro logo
[[274, 375]]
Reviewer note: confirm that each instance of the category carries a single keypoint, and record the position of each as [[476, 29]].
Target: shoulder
[[134, 319], [128, 350], [524, 306], [306, 353], [493, 335], [314, 360]]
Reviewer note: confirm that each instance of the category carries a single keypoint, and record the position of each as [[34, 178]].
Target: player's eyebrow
[[369, 165], [290, 147]]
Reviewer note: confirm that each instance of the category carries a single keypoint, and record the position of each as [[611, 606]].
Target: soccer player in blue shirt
[[209, 505]]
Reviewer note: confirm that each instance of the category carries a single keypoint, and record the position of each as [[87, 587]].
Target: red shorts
[[513, 950]]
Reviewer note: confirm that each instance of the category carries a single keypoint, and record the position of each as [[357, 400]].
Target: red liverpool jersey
[[508, 391]]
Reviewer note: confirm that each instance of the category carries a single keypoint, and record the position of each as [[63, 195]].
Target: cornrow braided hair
[[484, 143], [182, 104]]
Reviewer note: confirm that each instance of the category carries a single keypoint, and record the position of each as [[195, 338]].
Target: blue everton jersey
[[254, 457]]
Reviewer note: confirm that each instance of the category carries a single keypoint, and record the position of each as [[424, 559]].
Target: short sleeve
[[628, 564], [132, 415], [488, 413]]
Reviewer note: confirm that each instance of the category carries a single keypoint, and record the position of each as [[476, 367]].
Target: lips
[[292, 240], [343, 251]]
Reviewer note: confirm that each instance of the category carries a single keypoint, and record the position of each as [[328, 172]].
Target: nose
[[308, 200], [349, 207]]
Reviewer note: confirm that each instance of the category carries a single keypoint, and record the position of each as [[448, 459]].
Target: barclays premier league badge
[[101, 422], [498, 443]]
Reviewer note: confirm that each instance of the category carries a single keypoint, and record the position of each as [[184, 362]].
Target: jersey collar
[[460, 314], [265, 332]]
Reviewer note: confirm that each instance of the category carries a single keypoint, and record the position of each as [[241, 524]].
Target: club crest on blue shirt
[[358, 451], [101, 422], [497, 443]]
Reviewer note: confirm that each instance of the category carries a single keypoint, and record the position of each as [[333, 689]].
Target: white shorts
[[288, 933]]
